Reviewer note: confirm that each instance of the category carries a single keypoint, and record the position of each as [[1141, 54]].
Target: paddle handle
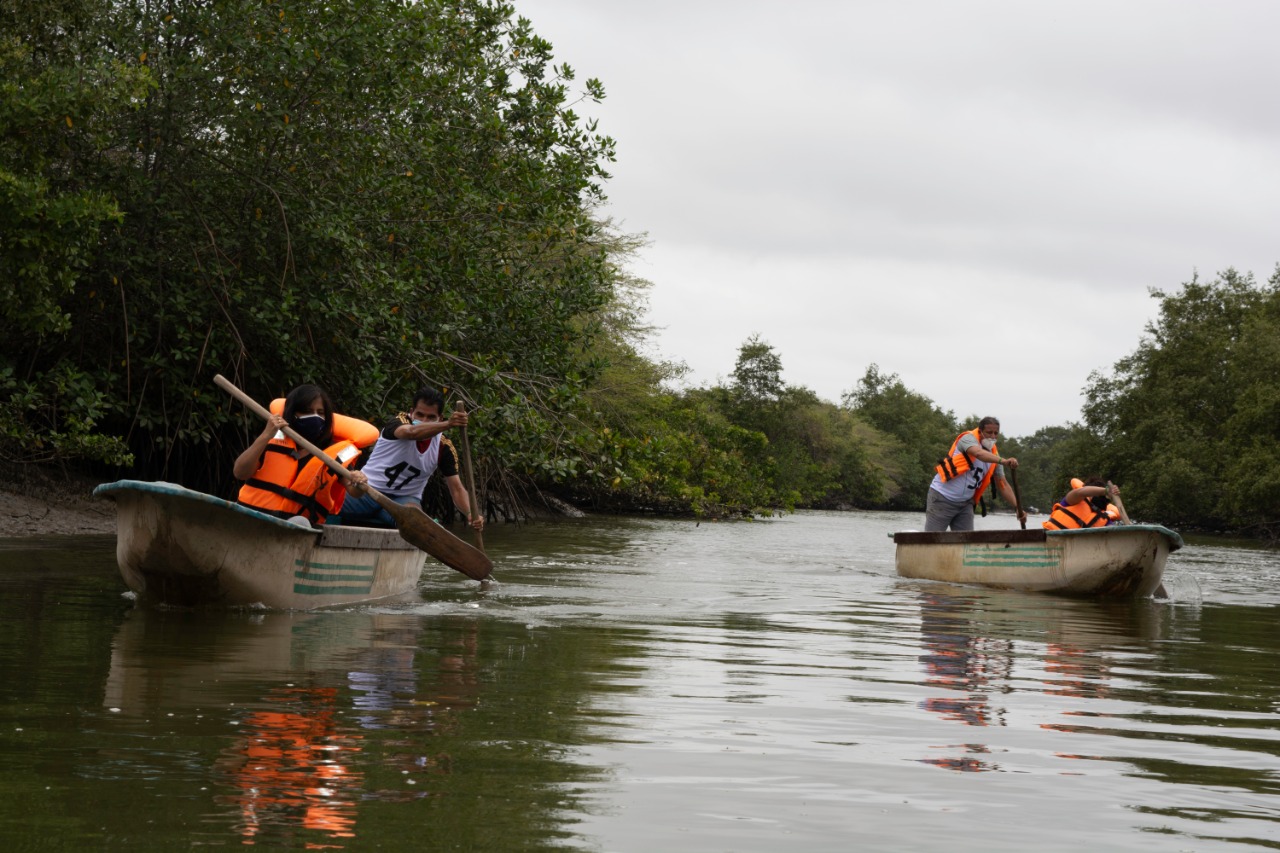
[[1017, 496], [458, 406], [253, 405], [1124, 516]]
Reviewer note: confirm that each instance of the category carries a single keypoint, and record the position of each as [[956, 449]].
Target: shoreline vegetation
[[391, 195]]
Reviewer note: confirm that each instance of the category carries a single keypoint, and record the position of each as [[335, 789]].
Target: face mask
[[988, 443], [310, 427]]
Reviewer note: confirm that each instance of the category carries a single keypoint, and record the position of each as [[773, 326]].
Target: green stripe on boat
[[304, 589], [1015, 556], [322, 578]]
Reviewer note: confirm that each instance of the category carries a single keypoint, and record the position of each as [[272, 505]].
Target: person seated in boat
[[408, 451], [1086, 505], [962, 476], [282, 479]]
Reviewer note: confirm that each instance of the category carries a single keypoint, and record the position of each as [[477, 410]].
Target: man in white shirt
[[970, 466], [409, 450]]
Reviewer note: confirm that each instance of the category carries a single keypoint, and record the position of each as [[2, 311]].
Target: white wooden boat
[[181, 547], [1106, 562]]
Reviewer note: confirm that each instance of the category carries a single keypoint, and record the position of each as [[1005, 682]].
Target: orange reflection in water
[[292, 767], [1075, 672], [970, 667], [965, 763], [958, 661]]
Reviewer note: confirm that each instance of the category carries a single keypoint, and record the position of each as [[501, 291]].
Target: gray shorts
[[940, 513]]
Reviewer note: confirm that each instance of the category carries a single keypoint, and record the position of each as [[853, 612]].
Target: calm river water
[[642, 685]]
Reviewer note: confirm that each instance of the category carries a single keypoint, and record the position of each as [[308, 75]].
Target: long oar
[[1124, 516], [415, 526], [471, 480], [1017, 496]]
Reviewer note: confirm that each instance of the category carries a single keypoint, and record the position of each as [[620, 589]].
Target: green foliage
[[754, 445], [757, 374], [1188, 421], [367, 194], [1048, 459], [916, 433], [1189, 426], [55, 420], [53, 112]]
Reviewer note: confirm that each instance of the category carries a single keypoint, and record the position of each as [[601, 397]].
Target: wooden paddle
[[415, 526], [1124, 516], [470, 477], [1017, 496]]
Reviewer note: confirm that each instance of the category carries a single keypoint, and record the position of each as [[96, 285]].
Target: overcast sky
[[975, 196]]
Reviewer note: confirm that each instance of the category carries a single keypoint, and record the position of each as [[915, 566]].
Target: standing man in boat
[[963, 476], [282, 479], [409, 450]]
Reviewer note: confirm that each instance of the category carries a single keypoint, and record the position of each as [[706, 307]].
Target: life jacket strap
[[296, 453], [307, 502]]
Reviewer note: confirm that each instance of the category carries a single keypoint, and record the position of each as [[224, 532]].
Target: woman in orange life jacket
[[1086, 505], [284, 480]]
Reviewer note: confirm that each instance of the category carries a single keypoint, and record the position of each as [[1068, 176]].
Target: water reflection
[[293, 766], [320, 702], [754, 687], [973, 641], [957, 660]]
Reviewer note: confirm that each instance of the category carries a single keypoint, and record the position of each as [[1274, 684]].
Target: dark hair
[[1098, 502], [301, 396], [987, 421], [430, 396]]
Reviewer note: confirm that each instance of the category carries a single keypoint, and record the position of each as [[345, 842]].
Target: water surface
[[633, 685]]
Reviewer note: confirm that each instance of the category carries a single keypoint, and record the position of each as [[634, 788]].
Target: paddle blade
[[420, 530]]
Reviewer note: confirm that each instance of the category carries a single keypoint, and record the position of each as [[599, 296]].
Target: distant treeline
[[374, 196]]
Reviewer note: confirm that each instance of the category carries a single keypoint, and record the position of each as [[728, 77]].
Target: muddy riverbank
[[42, 504]]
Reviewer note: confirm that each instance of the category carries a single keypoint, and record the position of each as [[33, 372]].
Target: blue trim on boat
[[1175, 541], [173, 490]]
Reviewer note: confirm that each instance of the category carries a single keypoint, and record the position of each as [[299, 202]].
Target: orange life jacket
[[954, 464], [290, 482], [1078, 515]]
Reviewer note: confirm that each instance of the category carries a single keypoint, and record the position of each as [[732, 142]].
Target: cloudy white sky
[[976, 196]]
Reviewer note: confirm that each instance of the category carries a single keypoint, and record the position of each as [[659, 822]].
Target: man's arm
[[462, 500], [430, 428], [977, 451]]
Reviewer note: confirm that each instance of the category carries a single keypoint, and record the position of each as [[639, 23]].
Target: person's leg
[[963, 519], [937, 513], [363, 511], [940, 513]]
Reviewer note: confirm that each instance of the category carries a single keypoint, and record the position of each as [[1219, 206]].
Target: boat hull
[[1111, 562], [180, 547]]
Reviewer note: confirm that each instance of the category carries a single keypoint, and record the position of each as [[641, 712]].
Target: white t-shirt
[[397, 467]]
